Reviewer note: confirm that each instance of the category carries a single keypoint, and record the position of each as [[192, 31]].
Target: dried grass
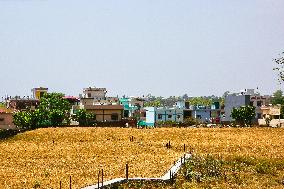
[[31, 158]]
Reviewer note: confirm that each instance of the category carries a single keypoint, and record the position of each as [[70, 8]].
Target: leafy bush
[[199, 168], [243, 115], [265, 168], [190, 121], [166, 123]]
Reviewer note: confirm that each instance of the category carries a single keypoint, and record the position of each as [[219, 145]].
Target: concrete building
[[132, 106], [18, 103], [106, 113], [244, 98], [273, 114], [258, 101], [6, 119], [234, 101], [95, 93], [207, 114], [37, 93], [97, 96], [202, 114], [154, 115]]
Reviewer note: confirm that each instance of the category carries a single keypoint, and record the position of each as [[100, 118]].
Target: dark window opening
[[178, 116], [187, 114], [160, 116], [259, 103], [114, 117], [126, 113], [89, 95], [170, 116]]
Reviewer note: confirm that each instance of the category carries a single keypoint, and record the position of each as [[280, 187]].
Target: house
[[258, 101], [97, 96], [39, 92], [18, 103], [107, 113], [234, 101], [201, 113], [132, 106], [154, 115], [246, 97], [6, 119], [25, 102], [207, 114], [181, 111], [95, 101], [271, 116]]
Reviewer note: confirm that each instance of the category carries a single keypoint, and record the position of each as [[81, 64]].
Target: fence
[[168, 176]]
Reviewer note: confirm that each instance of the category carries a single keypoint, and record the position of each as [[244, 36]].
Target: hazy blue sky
[[139, 47]]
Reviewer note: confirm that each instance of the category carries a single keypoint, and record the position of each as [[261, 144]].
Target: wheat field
[[44, 157]]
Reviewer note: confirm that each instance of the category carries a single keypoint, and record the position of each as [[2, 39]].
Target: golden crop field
[[44, 157]]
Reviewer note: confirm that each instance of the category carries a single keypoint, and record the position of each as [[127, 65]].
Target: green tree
[[155, 103], [85, 118], [277, 98], [22, 119], [54, 109], [243, 115], [200, 101], [2, 104], [280, 67], [27, 119]]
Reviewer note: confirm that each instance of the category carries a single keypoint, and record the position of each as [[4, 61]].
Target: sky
[[133, 48]]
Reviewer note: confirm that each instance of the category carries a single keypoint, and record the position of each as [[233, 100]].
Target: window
[[198, 116], [114, 117], [170, 116], [126, 113], [251, 103], [1, 119], [89, 95], [160, 116], [258, 116], [178, 116], [259, 103]]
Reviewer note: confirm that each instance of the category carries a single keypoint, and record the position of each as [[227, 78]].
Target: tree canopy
[[280, 67], [52, 111], [277, 97], [243, 115]]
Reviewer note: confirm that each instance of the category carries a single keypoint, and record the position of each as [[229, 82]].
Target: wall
[[99, 93], [102, 115], [86, 101], [6, 121], [233, 101], [202, 115], [150, 116], [273, 122], [154, 115], [169, 114]]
